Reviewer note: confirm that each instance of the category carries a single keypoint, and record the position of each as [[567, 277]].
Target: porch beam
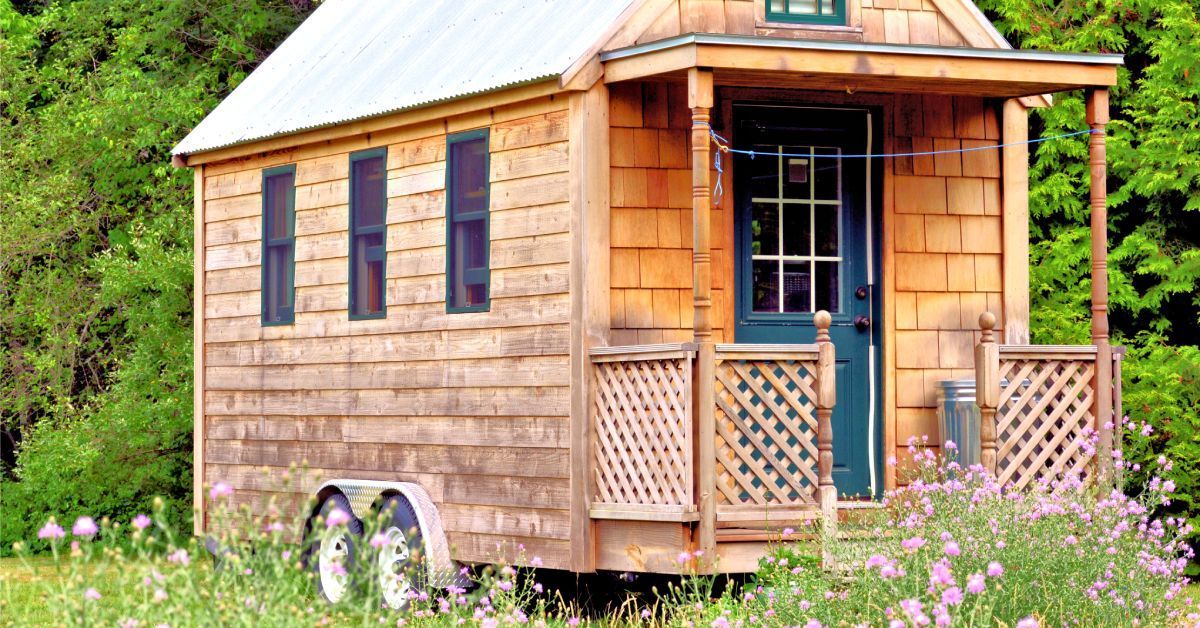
[[751, 61], [1102, 402], [1015, 171], [700, 101]]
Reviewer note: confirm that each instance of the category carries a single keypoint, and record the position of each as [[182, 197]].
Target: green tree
[[1154, 206], [95, 242]]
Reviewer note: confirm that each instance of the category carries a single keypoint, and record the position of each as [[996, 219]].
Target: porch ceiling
[[739, 60]]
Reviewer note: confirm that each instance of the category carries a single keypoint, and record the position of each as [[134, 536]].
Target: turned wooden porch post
[[700, 100], [1102, 401], [826, 399]]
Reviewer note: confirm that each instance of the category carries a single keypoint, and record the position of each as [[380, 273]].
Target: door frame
[[880, 278]]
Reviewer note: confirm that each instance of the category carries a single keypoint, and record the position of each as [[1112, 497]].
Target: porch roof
[[834, 65]]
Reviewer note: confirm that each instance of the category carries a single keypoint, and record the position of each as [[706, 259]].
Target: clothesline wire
[[724, 147]]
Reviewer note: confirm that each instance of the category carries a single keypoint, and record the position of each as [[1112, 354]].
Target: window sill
[[804, 26]]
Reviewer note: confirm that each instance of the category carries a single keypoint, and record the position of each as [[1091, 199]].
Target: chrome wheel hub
[[395, 578], [331, 565]]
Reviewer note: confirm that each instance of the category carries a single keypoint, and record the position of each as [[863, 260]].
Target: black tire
[[397, 515], [322, 535]]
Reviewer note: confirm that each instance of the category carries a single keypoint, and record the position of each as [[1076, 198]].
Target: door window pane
[[797, 287], [795, 229]]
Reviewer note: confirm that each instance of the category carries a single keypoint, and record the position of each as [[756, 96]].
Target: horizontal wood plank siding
[[473, 406]]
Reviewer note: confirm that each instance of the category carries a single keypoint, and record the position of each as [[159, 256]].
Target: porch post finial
[[826, 399], [987, 389], [1102, 401]]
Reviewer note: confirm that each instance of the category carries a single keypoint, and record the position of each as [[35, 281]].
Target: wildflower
[[220, 489], [976, 583], [574, 621], [51, 531], [940, 574], [337, 517], [805, 605], [897, 623], [141, 522], [535, 562], [1028, 622], [951, 445], [952, 549], [720, 622], [160, 595], [683, 557], [1071, 540], [379, 540], [537, 587], [788, 532], [129, 623], [913, 544], [91, 594], [180, 557], [952, 596], [812, 623], [994, 569], [85, 527], [876, 560], [506, 586], [646, 613]]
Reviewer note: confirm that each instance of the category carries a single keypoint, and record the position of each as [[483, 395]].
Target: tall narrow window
[[807, 11], [279, 245], [467, 222], [368, 233]]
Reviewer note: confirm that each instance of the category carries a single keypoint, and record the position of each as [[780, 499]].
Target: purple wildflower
[[84, 526]]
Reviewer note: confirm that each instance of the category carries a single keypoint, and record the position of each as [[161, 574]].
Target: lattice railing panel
[[1044, 419], [766, 444], [642, 441]]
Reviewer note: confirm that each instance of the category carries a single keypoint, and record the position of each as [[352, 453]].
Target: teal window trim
[[357, 231], [837, 18], [474, 276], [286, 315]]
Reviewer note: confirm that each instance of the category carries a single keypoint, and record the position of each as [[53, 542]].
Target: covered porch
[[715, 443]]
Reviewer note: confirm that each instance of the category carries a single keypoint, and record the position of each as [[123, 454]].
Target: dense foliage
[[95, 242], [1154, 208], [956, 549]]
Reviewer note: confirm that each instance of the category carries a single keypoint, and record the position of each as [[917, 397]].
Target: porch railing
[[1043, 398], [771, 458], [769, 428], [642, 444]]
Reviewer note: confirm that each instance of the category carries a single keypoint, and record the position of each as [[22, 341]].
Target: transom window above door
[[807, 11], [796, 217]]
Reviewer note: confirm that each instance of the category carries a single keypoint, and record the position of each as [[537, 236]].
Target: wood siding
[[870, 21], [651, 228], [473, 406], [948, 238]]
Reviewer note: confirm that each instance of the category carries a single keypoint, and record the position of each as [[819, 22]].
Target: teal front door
[[805, 241]]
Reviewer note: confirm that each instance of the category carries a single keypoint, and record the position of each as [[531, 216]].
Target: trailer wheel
[[334, 550], [399, 566]]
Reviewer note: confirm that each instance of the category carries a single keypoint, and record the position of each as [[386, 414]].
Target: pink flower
[[51, 531], [336, 517], [805, 605], [91, 594], [379, 540], [913, 544], [1070, 540], [952, 596], [180, 557], [876, 560], [1028, 622], [574, 621], [220, 489], [995, 570], [159, 595], [506, 586], [976, 583], [683, 557], [952, 549], [84, 526], [535, 562], [940, 574], [141, 522], [812, 623], [788, 532]]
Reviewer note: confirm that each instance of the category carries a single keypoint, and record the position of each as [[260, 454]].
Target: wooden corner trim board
[[428, 113], [588, 165], [198, 422], [624, 31], [1015, 222]]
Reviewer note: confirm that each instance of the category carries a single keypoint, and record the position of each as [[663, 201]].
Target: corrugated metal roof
[[355, 59]]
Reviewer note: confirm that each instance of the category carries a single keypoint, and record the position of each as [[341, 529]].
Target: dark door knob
[[861, 293], [861, 323]]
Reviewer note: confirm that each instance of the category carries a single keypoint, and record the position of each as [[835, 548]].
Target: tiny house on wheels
[[616, 280]]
